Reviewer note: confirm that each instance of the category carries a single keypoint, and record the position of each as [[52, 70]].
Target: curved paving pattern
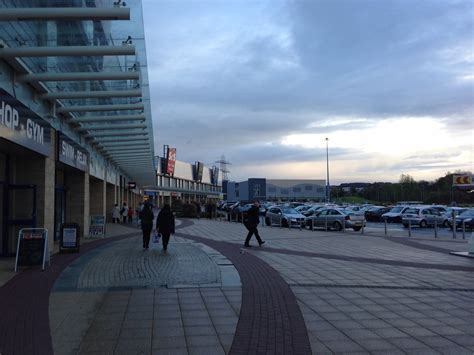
[[123, 265], [270, 319], [24, 321]]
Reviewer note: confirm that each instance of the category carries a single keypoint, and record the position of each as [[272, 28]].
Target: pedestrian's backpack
[[122, 210]]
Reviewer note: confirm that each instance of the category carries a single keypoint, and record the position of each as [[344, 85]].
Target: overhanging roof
[[93, 69]]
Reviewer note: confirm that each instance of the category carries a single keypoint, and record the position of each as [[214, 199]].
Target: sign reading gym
[[22, 126]]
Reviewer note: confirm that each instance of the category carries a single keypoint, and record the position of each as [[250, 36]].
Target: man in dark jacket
[[147, 218], [165, 225], [251, 222]]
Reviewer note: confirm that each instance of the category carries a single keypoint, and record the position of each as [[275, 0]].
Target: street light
[[328, 191]]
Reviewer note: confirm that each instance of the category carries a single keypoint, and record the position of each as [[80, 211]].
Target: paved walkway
[[303, 292]]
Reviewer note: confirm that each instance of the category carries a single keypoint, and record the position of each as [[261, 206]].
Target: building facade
[[75, 119], [275, 190], [186, 183]]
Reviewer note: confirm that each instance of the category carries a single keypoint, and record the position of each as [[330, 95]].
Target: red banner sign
[[171, 161]]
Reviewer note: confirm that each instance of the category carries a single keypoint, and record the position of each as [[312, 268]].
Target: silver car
[[335, 218], [422, 217], [284, 216]]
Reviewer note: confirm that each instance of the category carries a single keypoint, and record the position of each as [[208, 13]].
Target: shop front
[[26, 162]]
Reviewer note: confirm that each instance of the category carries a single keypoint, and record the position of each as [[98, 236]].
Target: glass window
[[320, 189], [296, 189], [308, 188], [284, 191], [272, 189]]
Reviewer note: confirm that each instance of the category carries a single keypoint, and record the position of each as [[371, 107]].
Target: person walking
[[130, 215], [124, 213], [251, 221], [165, 225], [116, 214], [147, 218]]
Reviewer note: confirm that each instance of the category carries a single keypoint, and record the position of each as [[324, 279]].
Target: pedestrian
[[147, 218], [198, 210], [251, 221], [116, 214], [137, 212], [130, 215], [124, 213], [165, 225]]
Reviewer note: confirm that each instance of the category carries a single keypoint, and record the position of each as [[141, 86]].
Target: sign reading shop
[[71, 153], [22, 126]]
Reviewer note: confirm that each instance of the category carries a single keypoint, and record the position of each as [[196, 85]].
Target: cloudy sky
[[264, 82]]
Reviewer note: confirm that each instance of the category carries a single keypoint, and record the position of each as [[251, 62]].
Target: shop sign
[[95, 168], [22, 126], [71, 153], [171, 161], [97, 227], [150, 193], [131, 185], [32, 247]]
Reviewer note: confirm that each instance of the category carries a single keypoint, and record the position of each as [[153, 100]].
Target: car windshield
[[467, 213], [288, 210], [396, 209]]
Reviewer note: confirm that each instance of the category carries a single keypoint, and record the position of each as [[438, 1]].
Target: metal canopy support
[[90, 108], [127, 148], [123, 144], [110, 118], [118, 134], [94, 94], [110, 126], [60, 51], [65, 13], [73, 76], [120, 139]]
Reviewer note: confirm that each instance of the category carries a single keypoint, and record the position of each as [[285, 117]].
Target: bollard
[[463, 229], [454, 229], [344, 225], [281, 219], [301, 226], [409, 228], [436, 228], [385, 225], [362, 230], [242, 217], [326, 223], [312, 225], [289, 223]]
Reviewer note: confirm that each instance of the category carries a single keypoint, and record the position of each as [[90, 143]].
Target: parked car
[[467, 217], [284, 216], [448, 215], [422, 217], [374, 214], [335, 218], [303, 208], [395, 214]]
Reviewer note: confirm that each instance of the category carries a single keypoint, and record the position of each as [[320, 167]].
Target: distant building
[[357, 186], [186, 182], [274, 190]]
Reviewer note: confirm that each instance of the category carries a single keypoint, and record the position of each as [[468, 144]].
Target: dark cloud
[[236, 77]]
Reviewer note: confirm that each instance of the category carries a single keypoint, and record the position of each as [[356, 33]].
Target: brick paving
[[319, 292], [270, 320]]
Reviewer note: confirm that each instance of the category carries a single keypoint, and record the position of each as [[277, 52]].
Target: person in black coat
[[147, 218], [165, 225], [251, 221]]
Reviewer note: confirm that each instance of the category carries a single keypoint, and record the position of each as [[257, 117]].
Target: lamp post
[[328, 191]]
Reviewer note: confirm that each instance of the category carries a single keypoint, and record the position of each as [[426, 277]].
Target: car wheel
[[423, 224], [405, 225], [267, 221], [309, 224], [284, 223], [357, 228], [337, 226], [445, 224]]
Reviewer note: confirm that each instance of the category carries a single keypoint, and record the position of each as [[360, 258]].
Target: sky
[[265, 82]]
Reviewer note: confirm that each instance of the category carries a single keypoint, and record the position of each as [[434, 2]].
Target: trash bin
[[69, 239]]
